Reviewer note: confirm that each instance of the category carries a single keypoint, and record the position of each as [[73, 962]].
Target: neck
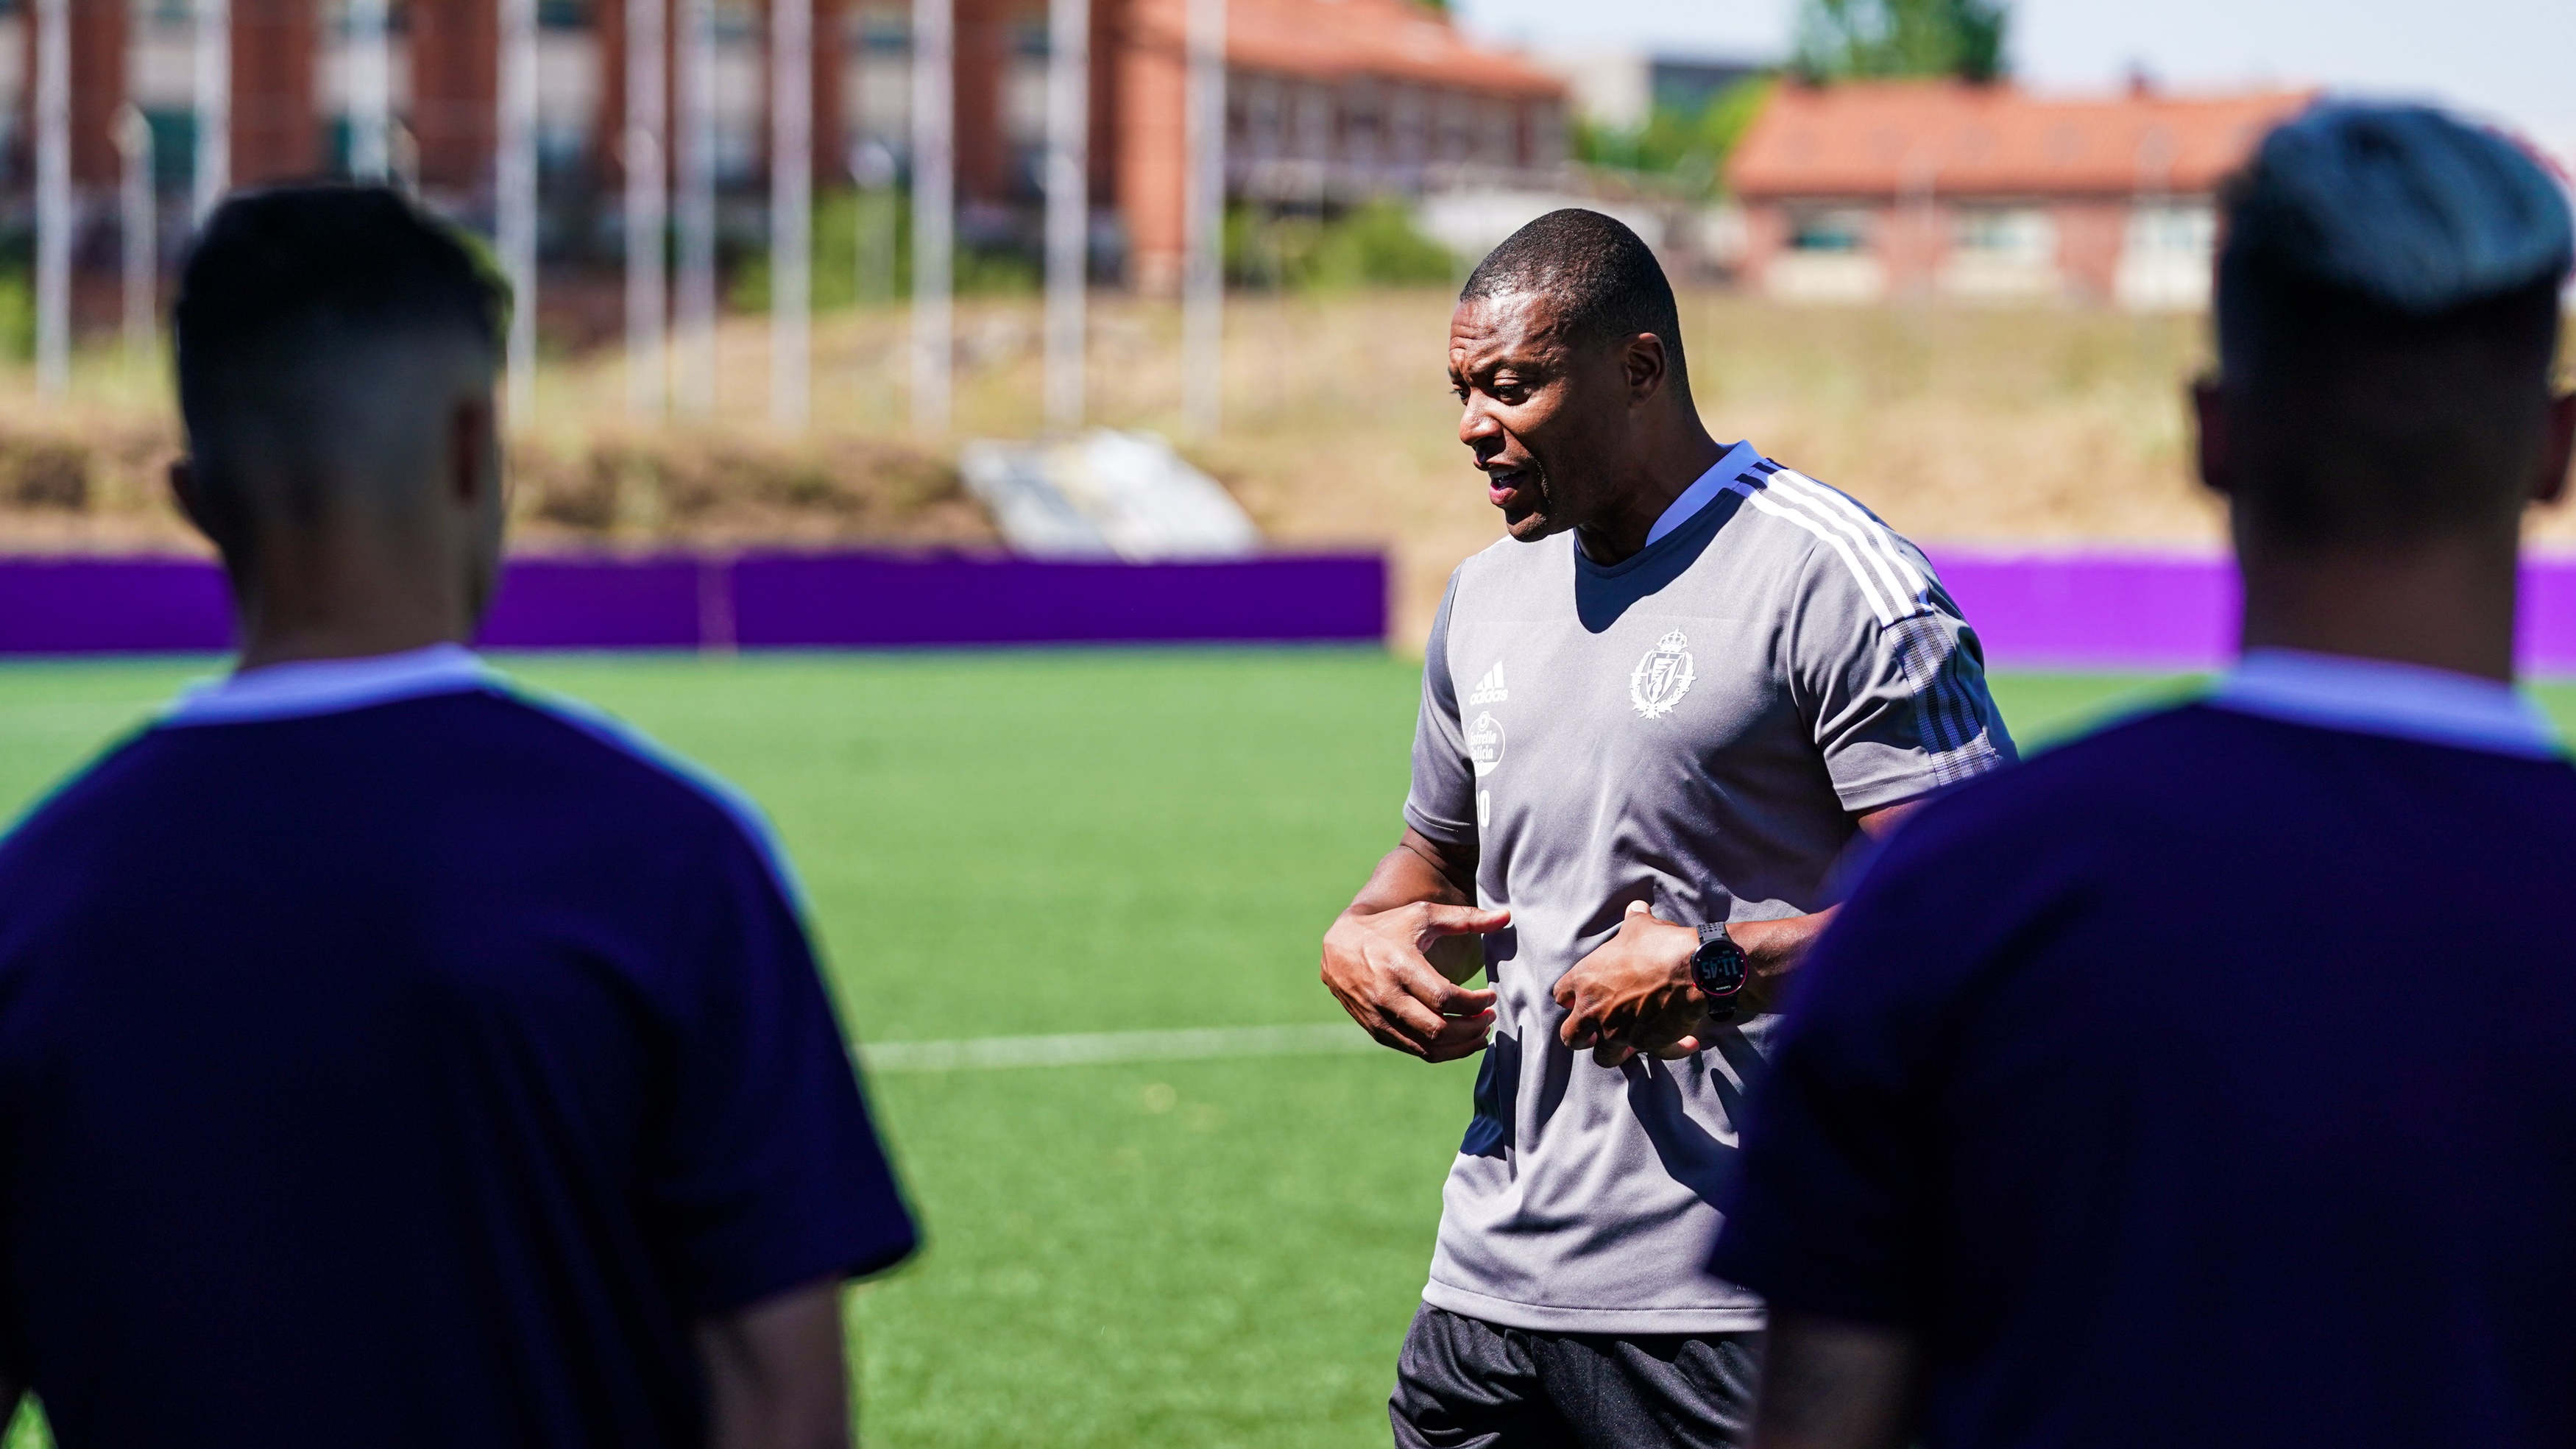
[[2446, 604], [345, 592], [1654, 478]]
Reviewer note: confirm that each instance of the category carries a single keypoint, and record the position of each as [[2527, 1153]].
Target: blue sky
[[2510, 60]]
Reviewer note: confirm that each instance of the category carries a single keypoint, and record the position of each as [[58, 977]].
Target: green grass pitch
[[1218, 1253]]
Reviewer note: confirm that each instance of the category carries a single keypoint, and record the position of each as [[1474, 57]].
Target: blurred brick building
[[1863, 191], [1329, 101]]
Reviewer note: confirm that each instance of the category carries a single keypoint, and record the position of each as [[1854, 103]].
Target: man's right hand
[[1377, 965]]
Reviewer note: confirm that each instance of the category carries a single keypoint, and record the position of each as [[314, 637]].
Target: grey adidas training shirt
[[1695, 728]]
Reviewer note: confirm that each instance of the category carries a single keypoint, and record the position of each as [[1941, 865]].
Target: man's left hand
[[1635, 993]]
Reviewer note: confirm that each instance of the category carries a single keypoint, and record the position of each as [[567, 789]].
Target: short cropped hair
[[2387, 310], [1603, 278], [304, 314]]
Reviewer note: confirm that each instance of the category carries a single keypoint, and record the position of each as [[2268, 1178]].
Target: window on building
[[1547, 145], [1498, 138], [885, 30], [1840, 229], [1362, 123], [1024, 89], [563, 147], [338, 18], [2164, 256], [2006, 234], [174, 148], [2183, 229]]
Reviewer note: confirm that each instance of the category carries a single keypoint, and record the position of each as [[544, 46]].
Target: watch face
[[1718, 967]]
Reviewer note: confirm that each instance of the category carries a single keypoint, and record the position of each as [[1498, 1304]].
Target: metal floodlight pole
[[1068, 206], [139, 220], [694, 207], [514, 177], [872, 167], [934, 198], [646, 192], [1203, 224], [212, 65], [371, 92], [53, 195], [791, 210]]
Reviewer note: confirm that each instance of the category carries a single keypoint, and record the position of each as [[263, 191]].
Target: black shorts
[[1463, 1383]]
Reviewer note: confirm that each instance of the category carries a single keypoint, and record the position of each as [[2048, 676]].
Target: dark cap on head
[[2387, 313], [321, 332], [1601, 277]]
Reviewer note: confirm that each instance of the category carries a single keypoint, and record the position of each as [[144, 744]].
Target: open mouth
[[1512, 489]]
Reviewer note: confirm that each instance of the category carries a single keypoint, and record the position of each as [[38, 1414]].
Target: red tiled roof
[[1882, 138], [1339, 40]]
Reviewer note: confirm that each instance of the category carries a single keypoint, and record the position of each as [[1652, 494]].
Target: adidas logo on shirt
[[1489, 690]]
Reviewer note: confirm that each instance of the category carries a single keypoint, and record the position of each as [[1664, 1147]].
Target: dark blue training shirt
[[386, 1060], [2209, 1082]]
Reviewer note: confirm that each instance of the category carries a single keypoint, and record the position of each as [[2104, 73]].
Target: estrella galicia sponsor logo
[[1485, 743], [1662, 677], [1490, 690]]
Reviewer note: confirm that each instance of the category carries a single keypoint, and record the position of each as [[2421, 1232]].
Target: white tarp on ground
[[1106, 494]]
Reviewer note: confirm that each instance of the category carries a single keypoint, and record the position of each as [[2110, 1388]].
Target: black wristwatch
[[1718, 970]]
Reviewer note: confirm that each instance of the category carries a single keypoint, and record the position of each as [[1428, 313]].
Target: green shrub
[[17, 316], [1373, 244], [844, 221], [1685, 150]]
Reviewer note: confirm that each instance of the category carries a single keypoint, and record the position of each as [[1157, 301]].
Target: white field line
[[1094, 1048]]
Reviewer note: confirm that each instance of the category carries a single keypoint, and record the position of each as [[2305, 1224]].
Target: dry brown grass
[[2013, 427]]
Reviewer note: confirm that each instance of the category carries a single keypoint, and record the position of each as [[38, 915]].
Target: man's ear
[[1645, 366], [2556, 448], [2216, 448]]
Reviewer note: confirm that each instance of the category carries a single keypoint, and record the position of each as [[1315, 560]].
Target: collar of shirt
[[328, 686], [2375, 696], [1699, 494]]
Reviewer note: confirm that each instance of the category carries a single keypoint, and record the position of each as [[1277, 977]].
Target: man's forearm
[[1418, 870], [1772, 951], [776, 1373], [1832, 1385]]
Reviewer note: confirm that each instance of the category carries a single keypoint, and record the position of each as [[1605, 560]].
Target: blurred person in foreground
[[384, 1058], [1652, 718], [2208, 1082]]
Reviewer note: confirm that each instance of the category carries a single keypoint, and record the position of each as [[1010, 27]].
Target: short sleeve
[[1832, 1196], [769, 1173], [1442, 802], [1891, 679]]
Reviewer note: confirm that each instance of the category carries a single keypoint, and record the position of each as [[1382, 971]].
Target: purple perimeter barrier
[[762, 601], [2078, 611], [2096, 611], [563, 603], [2150, 611], [850, 599], [113, 606]]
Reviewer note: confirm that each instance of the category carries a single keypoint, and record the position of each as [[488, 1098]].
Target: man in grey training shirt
[[1655, 715]]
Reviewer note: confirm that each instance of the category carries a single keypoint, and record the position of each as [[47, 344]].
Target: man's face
[[1543, 412]]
